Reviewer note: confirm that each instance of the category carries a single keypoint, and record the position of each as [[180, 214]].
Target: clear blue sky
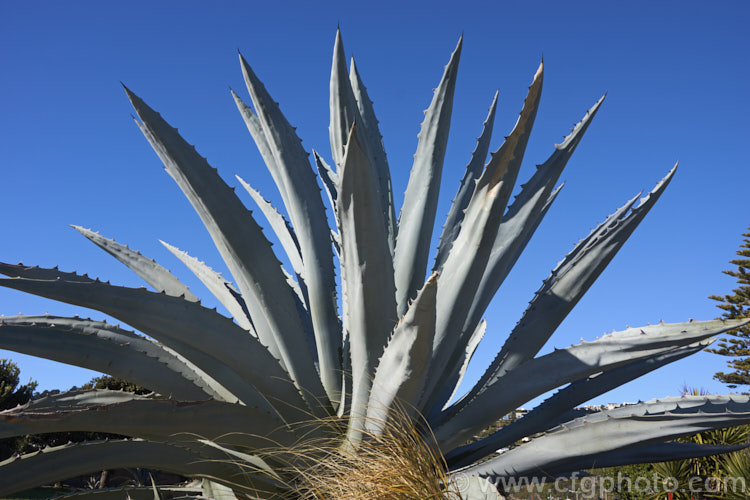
[[676, 72]]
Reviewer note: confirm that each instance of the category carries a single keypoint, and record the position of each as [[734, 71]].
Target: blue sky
[[676, 74]]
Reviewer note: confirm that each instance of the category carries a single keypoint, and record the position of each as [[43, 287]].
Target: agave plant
[[399, 340]]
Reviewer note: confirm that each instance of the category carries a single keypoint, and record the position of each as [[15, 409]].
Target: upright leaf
[[301, 194], [466, 188], [367, 274], [524, 216], [417, 216], [329, 177], [377, 151], [402, 369], [343, 105], [255, 127], [453, 383], [469, 253]]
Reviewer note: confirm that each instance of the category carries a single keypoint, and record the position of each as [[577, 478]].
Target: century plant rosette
[[227, 389]]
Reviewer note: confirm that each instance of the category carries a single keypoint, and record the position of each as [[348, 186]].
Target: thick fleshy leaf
[[134, 493], [524, 215], [343, 106], [367, 274], [417, 216], [345, 117], [451, 386], [255, 127], [402, 369], [377, 151], [466, 188], [649, 453], [301, 195], [460, 276], [222, 289], [542, 374], [475, 488], [159, 420], [241, 242], [209, 340], [582, 440], [151, 272], [329, 177], [280, 226], [469, 254], [506, 161], [565, 286], [236, 456], [555, 409], [72, 400], [62, 462], [210, 489], [42, 273], [109, 349]]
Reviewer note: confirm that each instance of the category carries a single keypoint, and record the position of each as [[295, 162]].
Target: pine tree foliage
[[11, 393], [737, 305], [114, 384]]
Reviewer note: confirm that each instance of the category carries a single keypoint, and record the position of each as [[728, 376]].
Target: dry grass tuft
[[401, 463]]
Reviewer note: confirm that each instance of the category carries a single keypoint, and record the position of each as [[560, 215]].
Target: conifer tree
[[737, 305], [12, 394]]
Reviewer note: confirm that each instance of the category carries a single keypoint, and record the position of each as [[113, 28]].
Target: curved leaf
[[109, 349], [649, 453], [255, 127], [151, 272], [222, 289], [72, 400], [280, 226], [582, 440], [452, 384], [159, 420], [329, 177], [62, 462], [243, 246], [565, 286], [553, 410], [461, 274], [178, 324], [539, 375]]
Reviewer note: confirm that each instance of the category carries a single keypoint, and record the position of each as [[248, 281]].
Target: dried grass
[[403, 462]]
